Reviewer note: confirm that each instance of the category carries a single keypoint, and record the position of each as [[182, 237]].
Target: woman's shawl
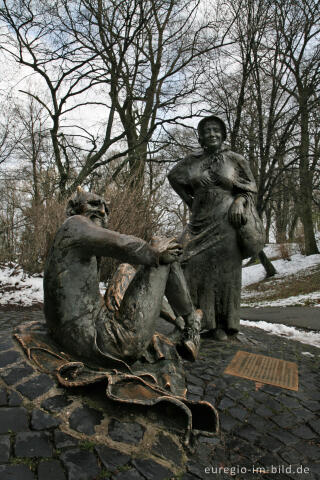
[[179, 176]]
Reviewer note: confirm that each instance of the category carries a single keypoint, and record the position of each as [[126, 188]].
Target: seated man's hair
[[80, 198]]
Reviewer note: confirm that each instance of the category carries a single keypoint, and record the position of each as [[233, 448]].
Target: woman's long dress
[[212, 257]]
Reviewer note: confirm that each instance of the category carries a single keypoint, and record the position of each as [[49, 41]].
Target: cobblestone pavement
[[48, 433]]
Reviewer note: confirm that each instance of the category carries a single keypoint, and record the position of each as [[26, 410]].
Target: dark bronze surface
[[120, 331]]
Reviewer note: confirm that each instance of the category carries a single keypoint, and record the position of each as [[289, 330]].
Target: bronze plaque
[[264, 370]]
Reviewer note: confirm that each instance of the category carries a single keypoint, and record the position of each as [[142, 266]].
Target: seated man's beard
[[99, 221]]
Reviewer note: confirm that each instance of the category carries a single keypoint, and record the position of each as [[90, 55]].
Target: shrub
[[42, 222], [284, 251]]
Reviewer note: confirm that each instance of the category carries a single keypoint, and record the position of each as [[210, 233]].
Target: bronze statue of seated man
[[76, 315]]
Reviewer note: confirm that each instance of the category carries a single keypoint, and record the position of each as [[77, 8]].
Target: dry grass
[[301, 283]]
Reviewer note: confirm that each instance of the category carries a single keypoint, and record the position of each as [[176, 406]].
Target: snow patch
[[309, 338], [310, 300], [18, 287], [298, 262]]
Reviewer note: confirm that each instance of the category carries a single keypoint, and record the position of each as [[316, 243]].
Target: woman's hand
[[237, 215]]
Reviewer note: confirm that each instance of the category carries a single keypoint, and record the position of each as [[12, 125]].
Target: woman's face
[[212, 136]]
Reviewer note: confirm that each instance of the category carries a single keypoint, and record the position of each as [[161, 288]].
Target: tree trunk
[[269, 268], [292, 227], [309, 237], [305, 193], [268, 224]]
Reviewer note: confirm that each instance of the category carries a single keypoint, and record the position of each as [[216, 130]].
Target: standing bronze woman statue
[[218, 187]]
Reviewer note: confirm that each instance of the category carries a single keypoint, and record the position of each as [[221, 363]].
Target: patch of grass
[[30, 462], [124, 468], [87, 445], [103, 475]]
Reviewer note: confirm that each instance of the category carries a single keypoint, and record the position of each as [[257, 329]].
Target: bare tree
[[299, 24], [31, 35], [140, 59], [152, 52], [7, 141]]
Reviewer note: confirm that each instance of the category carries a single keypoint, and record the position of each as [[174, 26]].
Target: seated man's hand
[[171, 254], [169, 249]]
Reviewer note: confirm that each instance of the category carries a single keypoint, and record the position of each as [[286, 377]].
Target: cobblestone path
[[48, 433]]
